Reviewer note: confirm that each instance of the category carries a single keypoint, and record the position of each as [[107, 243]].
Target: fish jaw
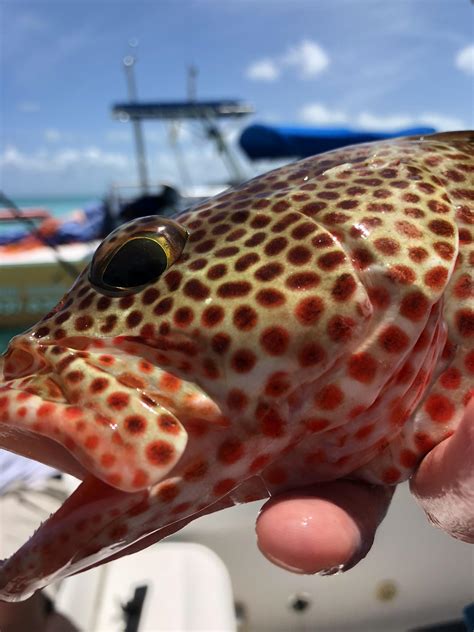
[[87, 401]]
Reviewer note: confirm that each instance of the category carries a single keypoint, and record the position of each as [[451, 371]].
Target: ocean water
[[56, 205]]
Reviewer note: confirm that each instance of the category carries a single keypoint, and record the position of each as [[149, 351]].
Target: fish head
[[261, 336]]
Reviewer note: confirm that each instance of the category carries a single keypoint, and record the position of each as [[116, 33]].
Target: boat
[[39, 261], [41, 255]]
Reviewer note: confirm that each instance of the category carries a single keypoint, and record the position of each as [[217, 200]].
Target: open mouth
[[112, 419], [107, 413]]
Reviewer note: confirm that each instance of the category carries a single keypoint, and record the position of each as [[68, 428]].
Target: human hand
[[331, 526]]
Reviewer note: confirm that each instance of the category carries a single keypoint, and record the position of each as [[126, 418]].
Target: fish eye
[[135, 255]]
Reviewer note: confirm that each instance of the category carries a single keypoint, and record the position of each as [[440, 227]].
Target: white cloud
[[465, 59], [263, 70], [319, 114], [119, 135], [441, 122], [46, 161], [28, 107], [52, 135], [307, 58]]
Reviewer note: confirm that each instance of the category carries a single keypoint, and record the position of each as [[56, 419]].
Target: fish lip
[[39, 446]]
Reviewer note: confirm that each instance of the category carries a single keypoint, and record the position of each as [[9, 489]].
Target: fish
[[313, 323]]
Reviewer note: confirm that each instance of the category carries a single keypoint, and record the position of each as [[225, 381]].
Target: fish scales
[[313, 323]]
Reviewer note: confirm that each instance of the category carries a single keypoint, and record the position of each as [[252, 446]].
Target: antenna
[[129, 64], [193, 72]]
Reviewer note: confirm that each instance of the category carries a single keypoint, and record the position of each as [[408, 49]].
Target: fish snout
[[21, 360]]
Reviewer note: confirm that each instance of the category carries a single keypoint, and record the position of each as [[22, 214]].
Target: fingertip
[[307, 535], [329, 528]]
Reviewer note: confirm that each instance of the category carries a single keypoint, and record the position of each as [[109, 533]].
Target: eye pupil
[[136, 263]]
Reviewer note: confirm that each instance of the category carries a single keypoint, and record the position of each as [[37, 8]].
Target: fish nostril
[[18, 363]]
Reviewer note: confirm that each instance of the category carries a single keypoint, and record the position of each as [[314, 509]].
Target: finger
[[444, 482], [325, 529]]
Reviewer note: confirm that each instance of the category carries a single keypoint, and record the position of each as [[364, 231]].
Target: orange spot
[[167, 424], [20, 397], [168, 492], [114, 479], [408, 459], [106, 359], [439, 408], [231, 451], [364, 431], [140, 478], [135, 424], [451, 378], [236, 399], [316, 424], [277, 384], [45, 409], [107, 459], [362, 367], [329, 398], [170, 382], [469, 362], [118, 400], [436, 277], [195, 470], [401, 274], [160, 453], [224, 486], [393, 339], [259, 463], [72, 412], [272, 425], [391, 475], [91, 442]]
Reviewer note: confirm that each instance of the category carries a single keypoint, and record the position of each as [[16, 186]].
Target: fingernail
[[334, 570]]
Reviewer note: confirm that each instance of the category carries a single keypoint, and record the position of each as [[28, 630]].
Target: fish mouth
[[50, 415], [97, 411]]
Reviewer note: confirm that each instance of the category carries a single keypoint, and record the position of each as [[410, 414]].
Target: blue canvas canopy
[[275, 141]]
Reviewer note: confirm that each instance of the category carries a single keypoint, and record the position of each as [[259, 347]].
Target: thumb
[[444, 481]]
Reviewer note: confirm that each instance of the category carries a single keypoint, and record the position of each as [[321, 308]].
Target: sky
[[377, 64]]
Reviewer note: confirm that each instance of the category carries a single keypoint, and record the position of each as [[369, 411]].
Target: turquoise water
[[5, 336], [57, 206]]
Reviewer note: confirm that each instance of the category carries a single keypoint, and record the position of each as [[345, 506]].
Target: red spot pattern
[[393, 339], [275, 340], [231, 451], [362, 367], [271, 283], [329, 398], [309, 310], [439, 408], [160, 453]]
